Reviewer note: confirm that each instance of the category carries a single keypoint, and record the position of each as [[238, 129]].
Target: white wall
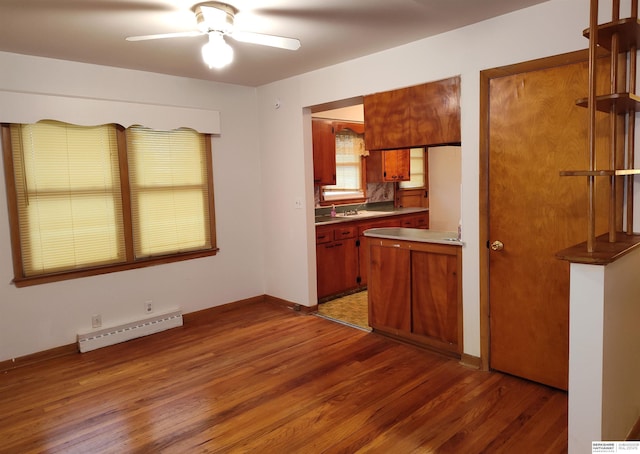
[[41, 317], [621, 349], [604, 352], [262, 165], [444, 188], [547, 29]]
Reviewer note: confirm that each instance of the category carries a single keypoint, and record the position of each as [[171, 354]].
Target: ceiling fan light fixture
[[214, 16], [217, 53]]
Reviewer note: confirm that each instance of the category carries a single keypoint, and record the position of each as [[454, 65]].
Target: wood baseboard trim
[[634, 433], [192, 318], [471, 361], [38, 357], [289, 305], [206, 315], [421, 342]]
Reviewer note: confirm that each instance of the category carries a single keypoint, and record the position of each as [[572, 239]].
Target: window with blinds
[[90, 200], [417, 170], [169, 193], [68, 196], [349, 152]]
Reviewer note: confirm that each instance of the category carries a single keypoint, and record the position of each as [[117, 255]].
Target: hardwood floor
[[266, 379]]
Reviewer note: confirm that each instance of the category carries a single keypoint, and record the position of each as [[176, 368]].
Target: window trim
[[20, 280], [357, 129]]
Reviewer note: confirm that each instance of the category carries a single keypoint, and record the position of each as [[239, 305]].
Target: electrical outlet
[[96, 321], [148, 307]]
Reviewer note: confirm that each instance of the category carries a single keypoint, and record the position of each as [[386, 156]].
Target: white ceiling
[[331, 31]]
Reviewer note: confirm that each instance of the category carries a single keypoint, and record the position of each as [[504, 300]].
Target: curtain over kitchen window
[[349, 178], [417, 170]]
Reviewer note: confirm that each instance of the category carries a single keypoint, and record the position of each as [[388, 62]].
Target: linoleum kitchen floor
[[351, 310]]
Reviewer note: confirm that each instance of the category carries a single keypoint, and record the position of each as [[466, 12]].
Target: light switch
[[298, 204]]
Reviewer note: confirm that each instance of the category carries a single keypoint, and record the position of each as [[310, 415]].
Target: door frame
[[485, 78]]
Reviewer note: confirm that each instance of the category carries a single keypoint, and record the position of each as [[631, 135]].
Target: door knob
[[497, 246]]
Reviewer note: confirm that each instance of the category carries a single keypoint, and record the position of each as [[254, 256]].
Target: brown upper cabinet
[[324, 152], [388, 166], [324, 147], [427, 114]]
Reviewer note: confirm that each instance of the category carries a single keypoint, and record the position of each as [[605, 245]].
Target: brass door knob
[[497, 246]]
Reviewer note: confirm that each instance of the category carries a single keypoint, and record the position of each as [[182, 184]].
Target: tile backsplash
[[376, 192]]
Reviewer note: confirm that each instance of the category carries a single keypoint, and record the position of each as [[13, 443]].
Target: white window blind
[[416, 164], [68, 196], [349, 150], [169, 191]]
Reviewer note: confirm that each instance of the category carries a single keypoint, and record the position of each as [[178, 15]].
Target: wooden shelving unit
[[620, 38]]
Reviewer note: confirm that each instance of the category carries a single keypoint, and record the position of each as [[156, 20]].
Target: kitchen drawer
[[392, 221], [342, 233], [324, 235]]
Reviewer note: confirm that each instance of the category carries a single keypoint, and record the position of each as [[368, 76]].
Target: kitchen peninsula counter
[[341, 256], [415, 286], [417, 235]]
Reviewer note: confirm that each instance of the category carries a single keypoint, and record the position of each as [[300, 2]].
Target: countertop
[[366, 214], [418, 235]]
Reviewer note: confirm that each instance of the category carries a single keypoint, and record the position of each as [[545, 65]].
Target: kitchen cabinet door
[[394, 221], [388, 166], [435, 112], [387, 120], [324, 152], [397, 165], [389, 288], [434, 278], [337, 267]]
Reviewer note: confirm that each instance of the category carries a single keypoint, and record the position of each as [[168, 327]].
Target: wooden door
[[389, 287], [535, 131]]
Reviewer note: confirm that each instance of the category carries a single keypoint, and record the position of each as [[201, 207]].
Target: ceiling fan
[[216, 19]]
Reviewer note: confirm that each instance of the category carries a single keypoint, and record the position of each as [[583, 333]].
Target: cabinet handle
[[396, 245]]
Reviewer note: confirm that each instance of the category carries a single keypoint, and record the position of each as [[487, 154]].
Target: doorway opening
[[351, 310]]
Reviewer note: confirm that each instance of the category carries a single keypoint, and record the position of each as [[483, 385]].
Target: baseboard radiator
[[122, 333]]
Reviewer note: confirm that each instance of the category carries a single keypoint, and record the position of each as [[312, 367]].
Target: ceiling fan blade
[[165, 35], [266, 40]]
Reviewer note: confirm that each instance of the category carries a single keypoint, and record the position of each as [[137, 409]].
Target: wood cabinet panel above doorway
[[427, 114]]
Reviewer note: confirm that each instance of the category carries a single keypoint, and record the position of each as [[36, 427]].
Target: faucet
[[361, 205], [354, 211]]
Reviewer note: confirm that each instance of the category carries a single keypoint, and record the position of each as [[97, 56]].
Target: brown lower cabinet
[[336, 259], [415, 292], [342, 259]]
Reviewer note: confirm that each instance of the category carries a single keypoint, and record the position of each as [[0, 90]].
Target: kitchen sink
[[364, 214], [350, 216]]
